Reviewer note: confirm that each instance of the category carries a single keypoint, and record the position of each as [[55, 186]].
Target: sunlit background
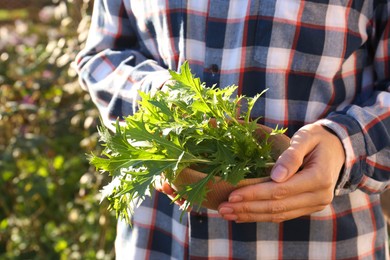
[[49, 195]]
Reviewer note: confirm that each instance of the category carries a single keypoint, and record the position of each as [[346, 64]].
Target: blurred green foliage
[[49, 202]]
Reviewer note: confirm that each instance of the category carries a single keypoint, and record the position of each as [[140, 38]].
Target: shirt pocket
[[292, 36]]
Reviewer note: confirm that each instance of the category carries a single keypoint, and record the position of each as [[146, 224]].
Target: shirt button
[[200, 219], [214, 68]]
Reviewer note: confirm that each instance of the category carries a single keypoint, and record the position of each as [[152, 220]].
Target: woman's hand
[[164, 187], [304, 178]]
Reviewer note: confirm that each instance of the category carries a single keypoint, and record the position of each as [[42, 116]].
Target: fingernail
[[225, 210], [279, 173], [235, 198]]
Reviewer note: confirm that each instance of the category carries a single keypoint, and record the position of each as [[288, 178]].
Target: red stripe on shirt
[[375, 121]]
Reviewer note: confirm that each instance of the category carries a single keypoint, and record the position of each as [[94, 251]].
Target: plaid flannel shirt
[[323, 61]]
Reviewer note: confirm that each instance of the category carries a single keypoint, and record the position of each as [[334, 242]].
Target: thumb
[[292, 159]]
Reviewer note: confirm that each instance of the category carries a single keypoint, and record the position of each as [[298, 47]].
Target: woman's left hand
[[304, 179]]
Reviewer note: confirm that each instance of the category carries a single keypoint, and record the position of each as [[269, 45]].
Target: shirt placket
[[214, 40]]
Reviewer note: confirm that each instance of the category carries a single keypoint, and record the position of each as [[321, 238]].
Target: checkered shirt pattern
[[323, 61]]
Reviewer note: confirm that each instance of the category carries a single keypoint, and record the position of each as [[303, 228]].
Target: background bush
[[49, 202]]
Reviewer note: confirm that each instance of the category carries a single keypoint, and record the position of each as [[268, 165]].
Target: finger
[[276, 217], [304, 200], [289, 162], [310, 179], [167, 189], [171, 193]]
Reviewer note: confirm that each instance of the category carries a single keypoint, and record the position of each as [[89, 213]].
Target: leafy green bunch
[[188, 125]]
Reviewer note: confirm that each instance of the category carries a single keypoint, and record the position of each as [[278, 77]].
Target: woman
[[326, 67]]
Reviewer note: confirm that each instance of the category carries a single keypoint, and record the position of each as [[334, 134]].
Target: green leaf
[[58, 162], [188, 125]]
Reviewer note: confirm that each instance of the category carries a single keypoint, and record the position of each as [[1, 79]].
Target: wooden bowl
[[219, 190]]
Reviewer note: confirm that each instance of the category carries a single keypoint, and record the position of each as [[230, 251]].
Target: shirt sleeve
[[112, 66], [364, 127]]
